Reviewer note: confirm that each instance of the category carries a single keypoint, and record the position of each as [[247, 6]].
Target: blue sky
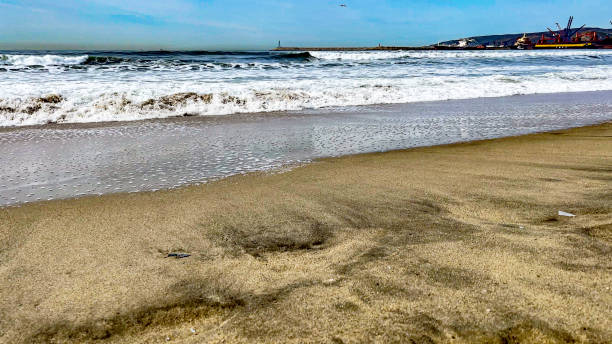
[[252, 24]]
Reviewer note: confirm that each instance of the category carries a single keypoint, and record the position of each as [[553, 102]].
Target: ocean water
[[81, 87]]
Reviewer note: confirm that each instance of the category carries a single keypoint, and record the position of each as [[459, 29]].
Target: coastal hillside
[[509, 39]]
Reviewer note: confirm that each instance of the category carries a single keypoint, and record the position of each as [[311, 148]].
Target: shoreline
[[291, 166], [452, 243], [166, 154]]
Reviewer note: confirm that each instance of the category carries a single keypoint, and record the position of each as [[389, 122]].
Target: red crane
[[563, 35]]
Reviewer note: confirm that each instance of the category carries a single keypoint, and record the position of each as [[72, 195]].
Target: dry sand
[[458, 243]]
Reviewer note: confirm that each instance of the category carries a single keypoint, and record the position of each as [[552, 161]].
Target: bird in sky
[[342, 5]]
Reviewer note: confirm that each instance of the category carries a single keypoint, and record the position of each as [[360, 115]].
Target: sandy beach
[[457, 243]]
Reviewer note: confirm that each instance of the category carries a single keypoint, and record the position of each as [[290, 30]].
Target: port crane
[[563, 35]]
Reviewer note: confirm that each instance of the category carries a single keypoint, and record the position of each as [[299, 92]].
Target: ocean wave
[[204, 59], [91, 102], [114, 86], [360, 55], [103, 60], [456, 55], [42, 60], [172, 53], [304, 56], [144, 60]]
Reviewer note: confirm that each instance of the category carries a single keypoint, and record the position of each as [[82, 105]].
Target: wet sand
[[458, 243]]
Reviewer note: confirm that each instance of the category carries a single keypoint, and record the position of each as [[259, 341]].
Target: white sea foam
[[153, 88], [469, 54], [41, 60]]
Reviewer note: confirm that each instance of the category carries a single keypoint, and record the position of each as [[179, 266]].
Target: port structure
[[563, 38], [567, 37]]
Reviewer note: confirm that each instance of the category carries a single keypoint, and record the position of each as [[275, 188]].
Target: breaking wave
[[135, 103], [295, 56], [121, 86], [59, 60], [42, 60], [463, 55], [103, 60], [154, 59]]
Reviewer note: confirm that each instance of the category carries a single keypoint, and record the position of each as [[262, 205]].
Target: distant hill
[[509, 39]]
